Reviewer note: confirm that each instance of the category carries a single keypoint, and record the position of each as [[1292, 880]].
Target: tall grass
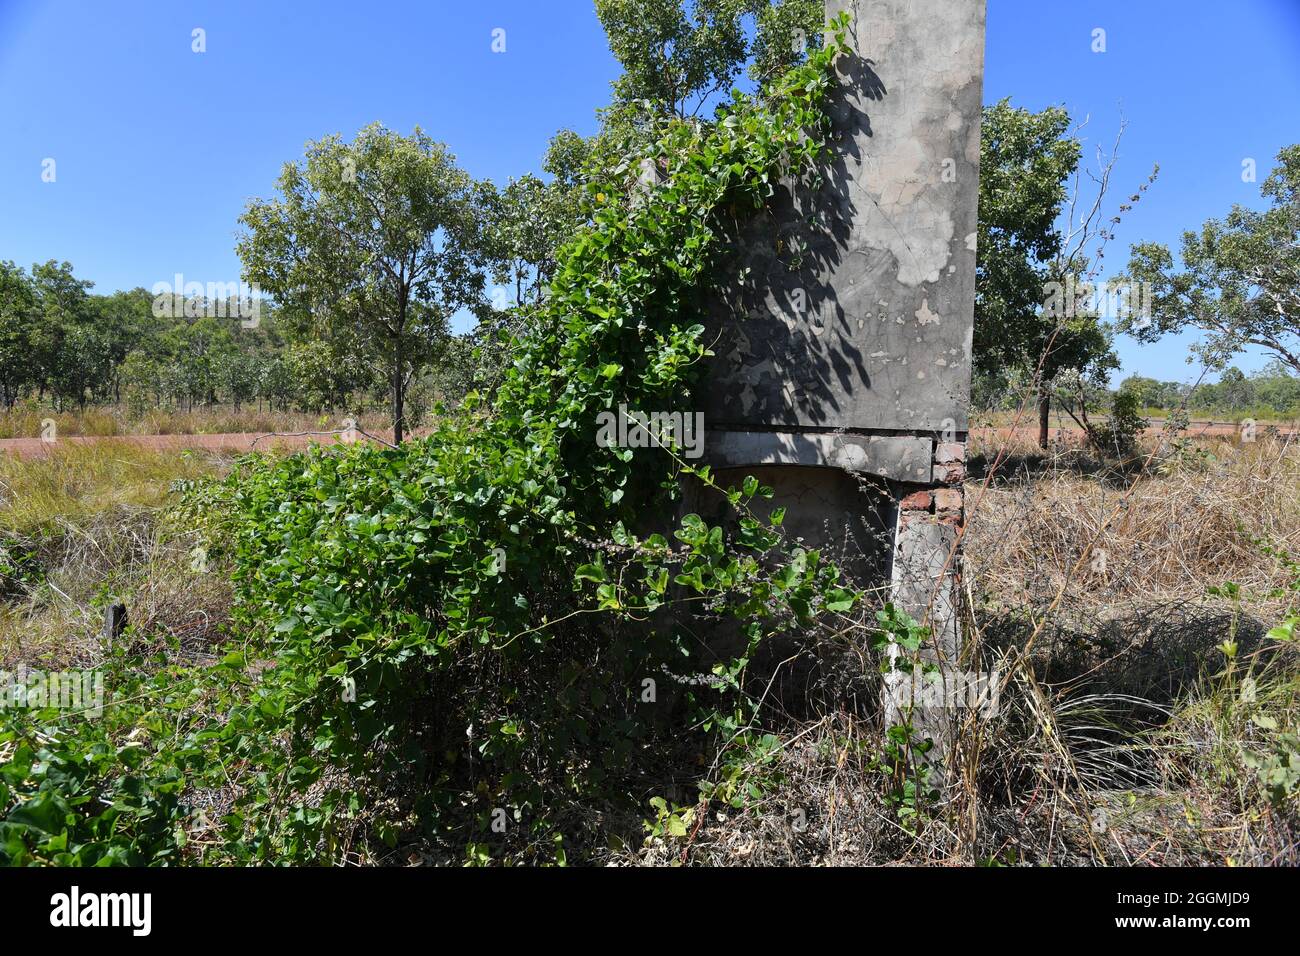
[[1142, 718], [81, 525]]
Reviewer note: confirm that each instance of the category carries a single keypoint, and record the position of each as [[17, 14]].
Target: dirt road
[[234, 443], [1028, 431]]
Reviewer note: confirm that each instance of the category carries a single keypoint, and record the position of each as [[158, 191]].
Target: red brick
[[949, 474], [947, 500], [916, 501]]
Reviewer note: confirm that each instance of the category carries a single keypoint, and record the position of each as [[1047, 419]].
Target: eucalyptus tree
[[1239, 280], [376, 242]]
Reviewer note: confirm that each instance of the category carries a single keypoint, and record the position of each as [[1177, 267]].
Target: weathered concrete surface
[[849, 518], [857, 306], [923, 578], [924, 583], [897, 457], [843, 337]]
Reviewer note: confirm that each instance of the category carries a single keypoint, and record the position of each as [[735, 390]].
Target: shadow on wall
[[786, 350], [850, 519]]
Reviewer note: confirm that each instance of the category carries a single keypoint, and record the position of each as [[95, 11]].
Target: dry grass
[[1091, 590], [81, 526], [1124, 734], [1164, 537]]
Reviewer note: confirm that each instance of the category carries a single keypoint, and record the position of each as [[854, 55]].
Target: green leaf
[[1284, 631], [46, 812]]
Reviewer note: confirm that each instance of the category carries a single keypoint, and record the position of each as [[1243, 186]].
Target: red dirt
[[235, 443], [1071, 432]]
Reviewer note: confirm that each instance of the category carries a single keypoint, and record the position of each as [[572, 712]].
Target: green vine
[[461, 640]]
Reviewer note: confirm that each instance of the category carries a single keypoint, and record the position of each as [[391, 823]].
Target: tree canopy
[[678, 54], [377, 242], [1239, 279]]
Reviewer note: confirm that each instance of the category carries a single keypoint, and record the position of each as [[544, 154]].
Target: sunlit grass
[[32, 422], [80, 523], [74, 481]]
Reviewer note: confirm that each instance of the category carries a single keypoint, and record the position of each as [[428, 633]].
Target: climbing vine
[[463, 639]]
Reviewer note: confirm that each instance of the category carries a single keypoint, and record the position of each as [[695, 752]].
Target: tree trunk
[[1044, 413], [399, 389]]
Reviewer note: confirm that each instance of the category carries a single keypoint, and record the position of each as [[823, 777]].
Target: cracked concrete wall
[[853, 303], [841, 373]]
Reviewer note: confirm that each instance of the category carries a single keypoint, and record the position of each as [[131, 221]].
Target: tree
[[530, 218], [197, 350], [141, 381], [236, 373], [566, 160], [1038, 234], [1276, 388], [1149, 392], [85, 367], [377, 240], [1025, 161], [17, 318], [1240, 277], [520, 235], [1234, 391], [68, 352], [125, 320], [677, 54]]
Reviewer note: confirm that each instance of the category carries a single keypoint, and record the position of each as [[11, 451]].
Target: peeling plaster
[[889, 244]]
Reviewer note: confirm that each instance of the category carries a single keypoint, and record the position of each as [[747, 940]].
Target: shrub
[[456, 636], [1118, 437]]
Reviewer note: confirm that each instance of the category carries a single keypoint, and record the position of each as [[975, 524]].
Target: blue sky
[[157, 148]]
